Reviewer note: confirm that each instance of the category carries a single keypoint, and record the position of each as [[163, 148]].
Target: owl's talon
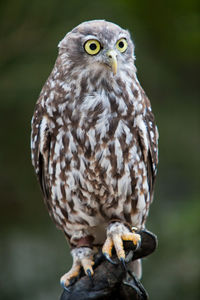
[[123, 262], [82, 258], [117, 233], [62, 283], [89, 273], [109, 258], [138, 245]]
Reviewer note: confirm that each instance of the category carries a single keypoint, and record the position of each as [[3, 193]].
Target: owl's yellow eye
[[122, 45], [92, 47]]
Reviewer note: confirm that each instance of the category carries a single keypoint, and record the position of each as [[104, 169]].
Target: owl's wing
[[40, 150], [148, 139]]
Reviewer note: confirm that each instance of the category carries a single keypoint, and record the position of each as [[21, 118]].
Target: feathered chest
[[94, 136], [97, 134], [98, 122]]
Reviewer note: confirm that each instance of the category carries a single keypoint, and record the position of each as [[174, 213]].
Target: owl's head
[[98, 44]]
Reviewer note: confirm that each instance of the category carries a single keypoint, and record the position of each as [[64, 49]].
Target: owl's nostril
[[111, 56]]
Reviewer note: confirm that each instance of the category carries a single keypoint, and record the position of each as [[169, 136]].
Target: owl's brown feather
[[94, 138]]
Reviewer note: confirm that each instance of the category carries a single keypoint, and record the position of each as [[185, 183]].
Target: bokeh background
[[33, 253]]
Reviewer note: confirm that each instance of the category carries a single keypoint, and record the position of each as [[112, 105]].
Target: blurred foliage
[[167, 39]]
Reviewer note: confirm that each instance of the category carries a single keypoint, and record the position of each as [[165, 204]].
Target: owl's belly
[[105, 179], [108, 187]]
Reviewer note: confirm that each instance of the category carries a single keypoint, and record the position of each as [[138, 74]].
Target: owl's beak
[[112, 58]]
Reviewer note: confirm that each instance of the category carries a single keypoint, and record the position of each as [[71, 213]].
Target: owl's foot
[[82, 257], [117, 233]]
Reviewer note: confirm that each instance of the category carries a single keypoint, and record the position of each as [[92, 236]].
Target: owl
[[94, 145]]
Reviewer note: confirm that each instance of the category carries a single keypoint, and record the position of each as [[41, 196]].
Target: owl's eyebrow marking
[[123, 36], [91, 37]]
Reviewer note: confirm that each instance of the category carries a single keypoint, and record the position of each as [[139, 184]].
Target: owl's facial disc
[[105, 53], [112, 60]]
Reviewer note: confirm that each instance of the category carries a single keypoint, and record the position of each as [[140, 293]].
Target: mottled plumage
[[94, 138]]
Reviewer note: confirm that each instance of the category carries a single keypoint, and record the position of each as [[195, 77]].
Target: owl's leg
[[117, 233], [82, 257]]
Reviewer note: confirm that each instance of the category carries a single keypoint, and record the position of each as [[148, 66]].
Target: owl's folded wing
[[40, 148], [148, 140]]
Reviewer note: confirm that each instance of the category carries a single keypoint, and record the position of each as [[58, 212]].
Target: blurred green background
[[33, 252]]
